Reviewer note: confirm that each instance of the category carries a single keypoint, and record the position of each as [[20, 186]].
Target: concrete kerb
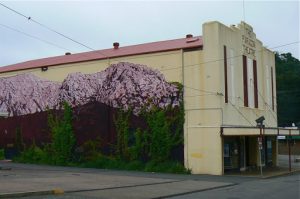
[[281, 174], [32, 193], [196, 191], [122, 187]]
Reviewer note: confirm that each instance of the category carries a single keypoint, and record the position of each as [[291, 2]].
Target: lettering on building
[[248, 41]]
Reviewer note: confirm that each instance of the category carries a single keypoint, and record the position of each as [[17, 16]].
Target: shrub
[[167, 167], [63, 139], [91, 149], [137, 151], [2, 157], [122, 127], [33, 154], [160, 136], [19, 144]]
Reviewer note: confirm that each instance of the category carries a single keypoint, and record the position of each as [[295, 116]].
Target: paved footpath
[[112, 184], [85, 183]]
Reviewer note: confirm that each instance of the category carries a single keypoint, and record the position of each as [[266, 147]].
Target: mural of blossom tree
[[24, 94], [121, 85]]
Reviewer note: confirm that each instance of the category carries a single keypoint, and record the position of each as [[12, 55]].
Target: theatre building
[[229, 82]]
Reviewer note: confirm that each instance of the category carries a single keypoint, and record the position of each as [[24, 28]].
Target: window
[[250, 82]]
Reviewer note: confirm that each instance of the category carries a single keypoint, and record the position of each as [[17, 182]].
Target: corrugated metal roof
[[153, 47]]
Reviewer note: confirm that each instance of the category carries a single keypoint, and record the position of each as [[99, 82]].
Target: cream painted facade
[[201, 71]]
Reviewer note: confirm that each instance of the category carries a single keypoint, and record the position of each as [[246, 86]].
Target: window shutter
[[272, 87], [225, 75], [255, 84], [245, 80]]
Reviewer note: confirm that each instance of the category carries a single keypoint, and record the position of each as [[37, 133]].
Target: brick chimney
[[116, 45]]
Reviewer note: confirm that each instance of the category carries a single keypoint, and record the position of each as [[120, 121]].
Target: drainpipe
[[185, 123]]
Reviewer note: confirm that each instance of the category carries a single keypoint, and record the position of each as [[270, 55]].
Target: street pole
[[289, 145], [259, 121], [260, 149]]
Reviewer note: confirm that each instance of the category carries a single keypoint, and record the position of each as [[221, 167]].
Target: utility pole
[[260, 124], [260, 150], [289, 145]]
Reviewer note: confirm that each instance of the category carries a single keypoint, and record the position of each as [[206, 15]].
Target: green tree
[[288, 90]]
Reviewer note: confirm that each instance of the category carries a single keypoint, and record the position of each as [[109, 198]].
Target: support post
[[289, 145], [260, 150]]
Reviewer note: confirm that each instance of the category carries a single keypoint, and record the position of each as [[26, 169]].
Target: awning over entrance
[[241, 131]]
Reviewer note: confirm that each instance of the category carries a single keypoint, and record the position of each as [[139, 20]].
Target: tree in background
[[288, 89]]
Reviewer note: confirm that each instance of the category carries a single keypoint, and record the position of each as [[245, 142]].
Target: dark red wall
[[91, 121]]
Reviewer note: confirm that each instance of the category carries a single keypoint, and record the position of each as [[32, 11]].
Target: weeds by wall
[[96, 135]]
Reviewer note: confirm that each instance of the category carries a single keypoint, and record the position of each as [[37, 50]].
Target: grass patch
[[112, 163], [35, 155], [166, 167]]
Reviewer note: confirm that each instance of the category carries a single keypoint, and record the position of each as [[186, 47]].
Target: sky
[[98, 24]]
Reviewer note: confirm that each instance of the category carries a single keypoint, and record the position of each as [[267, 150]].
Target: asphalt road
[[276, 188], [287, 187], [81, 183]]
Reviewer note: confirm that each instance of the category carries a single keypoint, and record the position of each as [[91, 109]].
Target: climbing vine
[[63, 139], [163, 132], [122, 128]]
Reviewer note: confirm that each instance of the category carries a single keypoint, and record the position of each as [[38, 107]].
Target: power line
[[48, 28], [84, 45], [67, 37], [15, 11], [201, 90], [287, 91], [34, 37], [265, 102], [240, 113], [199, 64], [228, 58], [39, 39], [73, 40]]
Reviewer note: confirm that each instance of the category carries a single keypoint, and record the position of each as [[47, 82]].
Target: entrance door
[[232, 153], [268, 151]]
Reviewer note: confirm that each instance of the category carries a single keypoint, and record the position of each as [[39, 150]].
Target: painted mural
[[123, 85]]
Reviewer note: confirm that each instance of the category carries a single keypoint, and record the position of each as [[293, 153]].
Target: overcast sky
[[98, 24]]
